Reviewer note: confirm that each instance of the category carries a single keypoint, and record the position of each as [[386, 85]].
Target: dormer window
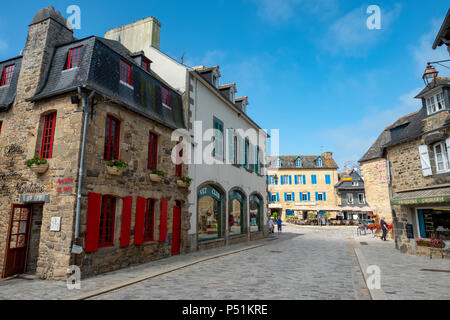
[[298, 162], [232, 95], [73, 57], [145, 64], [165, 94], [278, 164], [125, 72], [215, 79], [319, 162], [7, 75], [435, 103]]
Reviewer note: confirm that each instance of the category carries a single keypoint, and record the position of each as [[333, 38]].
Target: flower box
[[155, 177], [114, 171], [433, 243], [39, 168], [182, 184]]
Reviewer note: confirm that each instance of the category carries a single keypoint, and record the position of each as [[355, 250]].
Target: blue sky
[[311, 68]]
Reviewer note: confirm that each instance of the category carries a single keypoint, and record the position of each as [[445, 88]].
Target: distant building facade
[[352, 197], [301, 186]]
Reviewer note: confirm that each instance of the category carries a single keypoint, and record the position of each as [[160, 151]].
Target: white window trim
[[434, 99], [363, 198], [351, 197], [445, 157]]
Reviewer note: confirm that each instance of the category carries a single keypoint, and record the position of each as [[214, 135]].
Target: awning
[[357, 209], [422, 196]]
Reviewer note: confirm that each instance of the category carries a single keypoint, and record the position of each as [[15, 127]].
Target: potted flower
[[157, 175], [115, 167], [37, 165], [184, 182]]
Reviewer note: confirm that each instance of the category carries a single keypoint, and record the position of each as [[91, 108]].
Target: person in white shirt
[[270, 225]]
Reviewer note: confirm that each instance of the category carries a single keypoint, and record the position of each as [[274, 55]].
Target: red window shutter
[[163, 221], [139, 223], [93, 222], [48, 136], [126, 222]]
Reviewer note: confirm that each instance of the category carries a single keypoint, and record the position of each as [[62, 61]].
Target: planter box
[[114, 171], [39, 169], [430, 245], [182, 184], [155, 177]]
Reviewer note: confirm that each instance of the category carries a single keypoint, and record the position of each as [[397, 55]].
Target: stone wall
[[135, 181], [376, 187]]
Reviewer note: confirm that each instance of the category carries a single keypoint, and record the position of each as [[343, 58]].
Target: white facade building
[[228, 199]]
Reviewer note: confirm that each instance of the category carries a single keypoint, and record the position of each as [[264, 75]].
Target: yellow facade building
[[302, 186]]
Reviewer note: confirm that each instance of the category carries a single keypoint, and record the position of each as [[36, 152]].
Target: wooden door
[[17, 241], [176, 230]]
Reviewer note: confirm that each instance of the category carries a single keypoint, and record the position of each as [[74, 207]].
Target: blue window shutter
[[314, 179], [327, 179], [324, 196], [301, 196], [293, 196], [285, 198], [290, 179], [422, 230], [296, 179], [309, 196], [278, 197], [282, 180], [304, 179], [268, 179], [270, 197], [317, 196]]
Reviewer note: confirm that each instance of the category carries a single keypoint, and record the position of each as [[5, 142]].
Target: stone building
[[302, 186], [81, 104], [352, 197], [228, 194], [375, 172]]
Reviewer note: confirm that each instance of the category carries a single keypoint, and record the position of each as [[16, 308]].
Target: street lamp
[[429, 75]]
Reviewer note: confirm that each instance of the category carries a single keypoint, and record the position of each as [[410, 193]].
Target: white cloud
[[353, 140], [424, 52], [279, 11], [349, 35]]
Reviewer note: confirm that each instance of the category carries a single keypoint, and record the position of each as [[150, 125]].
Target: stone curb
[[376, 294], [120, 285]]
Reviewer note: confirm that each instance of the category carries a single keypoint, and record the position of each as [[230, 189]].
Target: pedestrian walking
[[279, 225], [384, 228], [271, 226]]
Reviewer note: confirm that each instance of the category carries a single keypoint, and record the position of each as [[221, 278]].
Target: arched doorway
[[255, 212], [236, 217], [209, 213]]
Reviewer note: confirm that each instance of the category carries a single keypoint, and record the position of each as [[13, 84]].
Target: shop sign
[[299, 204], [421, 200], [211, 192], [346, 179], [55, 224], [65, 185], [34, 198], [289, 213], [274, 205]]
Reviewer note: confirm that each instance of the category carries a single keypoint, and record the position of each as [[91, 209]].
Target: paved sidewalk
[[401, 275]]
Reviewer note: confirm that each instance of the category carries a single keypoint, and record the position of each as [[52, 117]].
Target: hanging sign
[[209, 192]]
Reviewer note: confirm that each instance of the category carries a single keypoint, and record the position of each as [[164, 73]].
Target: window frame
[[445, 157], [179, 167], [102, 243], [107, 154], [145, 64], [153, 151], [433, 102], [48, 132], [7, 75], [122, 64], [165, 100], [363, 198], [288, 197], [320, 196], [70, 55], [350, 196]]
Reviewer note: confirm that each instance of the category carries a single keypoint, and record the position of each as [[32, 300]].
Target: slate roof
[[444, 32], [8, 93], [99, 70], [308, 162], [405, 128], [440, 81], [347, 185]]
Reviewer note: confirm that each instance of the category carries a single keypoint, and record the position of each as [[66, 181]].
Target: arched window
[[209, 213], [255, 213], [298, 162], [236, 218]]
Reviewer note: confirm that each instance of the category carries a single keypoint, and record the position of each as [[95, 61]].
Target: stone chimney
[[137, 36], [47, 30], [327, 154]]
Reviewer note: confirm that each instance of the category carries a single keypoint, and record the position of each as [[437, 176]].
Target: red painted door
[[176, 230], [17, 241]]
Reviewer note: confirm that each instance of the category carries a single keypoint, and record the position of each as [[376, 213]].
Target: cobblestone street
[[301, 263]]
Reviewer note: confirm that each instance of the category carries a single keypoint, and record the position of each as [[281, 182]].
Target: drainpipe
[[86, 103]]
